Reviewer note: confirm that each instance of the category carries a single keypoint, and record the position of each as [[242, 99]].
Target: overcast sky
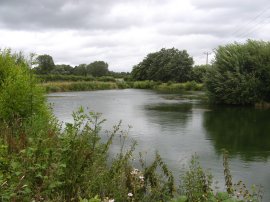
[[123, 32]]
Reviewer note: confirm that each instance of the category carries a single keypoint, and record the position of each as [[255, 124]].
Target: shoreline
[[69, 86]]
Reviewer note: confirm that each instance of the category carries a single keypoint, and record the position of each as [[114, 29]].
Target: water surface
[[179, 128]]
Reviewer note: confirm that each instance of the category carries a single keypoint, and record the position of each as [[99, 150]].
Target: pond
[[179, 128]]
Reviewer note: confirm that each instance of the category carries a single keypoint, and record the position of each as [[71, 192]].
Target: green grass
[[64, 86], [179, 87], [79, 86]]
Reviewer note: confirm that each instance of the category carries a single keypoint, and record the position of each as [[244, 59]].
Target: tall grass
[[79, 86], [99, 85], [179, 87], [62, 78]]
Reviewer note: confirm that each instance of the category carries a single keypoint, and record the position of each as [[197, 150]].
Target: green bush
[[199, 72], [106, 78], [67, 165], [144, 84], [178, 87], [20, 97], [240, 73]]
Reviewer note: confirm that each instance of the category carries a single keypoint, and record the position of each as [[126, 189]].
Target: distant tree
[[240, 73], [80, 70], [62, 69], [97, 68], [45, 64], [198, 73], [164, 65], [118, 74]]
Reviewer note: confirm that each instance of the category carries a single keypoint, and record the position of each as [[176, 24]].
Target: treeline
[[45, 66], [163, 66], [239, 74]]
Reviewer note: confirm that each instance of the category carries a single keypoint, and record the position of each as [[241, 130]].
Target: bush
[[67, 165], [20, 97], [178, 87], [198, 73], [144, 84], [240, 74]]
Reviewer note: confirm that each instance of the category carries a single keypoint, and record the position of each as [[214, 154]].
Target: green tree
[[164, 65], [97, 68], [199, 72], [45, 64], [80, 70], [240, 73], [62, 69]]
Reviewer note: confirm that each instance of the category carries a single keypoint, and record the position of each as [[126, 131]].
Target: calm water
[[182, 127]]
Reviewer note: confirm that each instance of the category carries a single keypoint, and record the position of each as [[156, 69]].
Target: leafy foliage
[[97, 69], [199, 73], [45, 64], [240, 74], [20, 98], [164, 65]]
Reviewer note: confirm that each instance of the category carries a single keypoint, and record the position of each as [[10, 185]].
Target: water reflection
[[243, 131], [165, 114]]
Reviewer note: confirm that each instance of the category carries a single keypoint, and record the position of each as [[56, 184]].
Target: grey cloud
[[58, 14]]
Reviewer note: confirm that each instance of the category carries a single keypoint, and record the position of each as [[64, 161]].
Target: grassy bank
[[62, 78], [101, 85], [79, 86]]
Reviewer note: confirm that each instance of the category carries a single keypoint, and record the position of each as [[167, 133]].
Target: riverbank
[[66, 86]]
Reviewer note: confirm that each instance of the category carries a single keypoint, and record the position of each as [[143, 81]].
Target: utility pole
[[207, 54]]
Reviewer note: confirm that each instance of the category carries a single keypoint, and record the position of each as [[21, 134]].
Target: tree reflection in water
[[243, 131]]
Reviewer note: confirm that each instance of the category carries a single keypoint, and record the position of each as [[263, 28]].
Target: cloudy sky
[[123, 32]]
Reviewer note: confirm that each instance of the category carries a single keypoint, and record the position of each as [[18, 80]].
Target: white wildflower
[[130, 194], [134, 171]]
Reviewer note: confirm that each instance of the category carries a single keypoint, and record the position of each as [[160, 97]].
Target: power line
[[255, 27], [252, 20], [244, 29]]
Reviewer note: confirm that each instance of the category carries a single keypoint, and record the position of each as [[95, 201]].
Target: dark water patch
[[242, 131], [180, 107]]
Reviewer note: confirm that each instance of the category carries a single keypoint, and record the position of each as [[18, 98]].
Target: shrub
[[198, 73], [240, 73], [144, 84], [20, 97]]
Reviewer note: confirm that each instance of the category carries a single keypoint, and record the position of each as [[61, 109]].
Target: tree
[[45, 64], [97, 68], [240, 73], [164, 65], [80, 70], [199, 72], [62, 69]]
